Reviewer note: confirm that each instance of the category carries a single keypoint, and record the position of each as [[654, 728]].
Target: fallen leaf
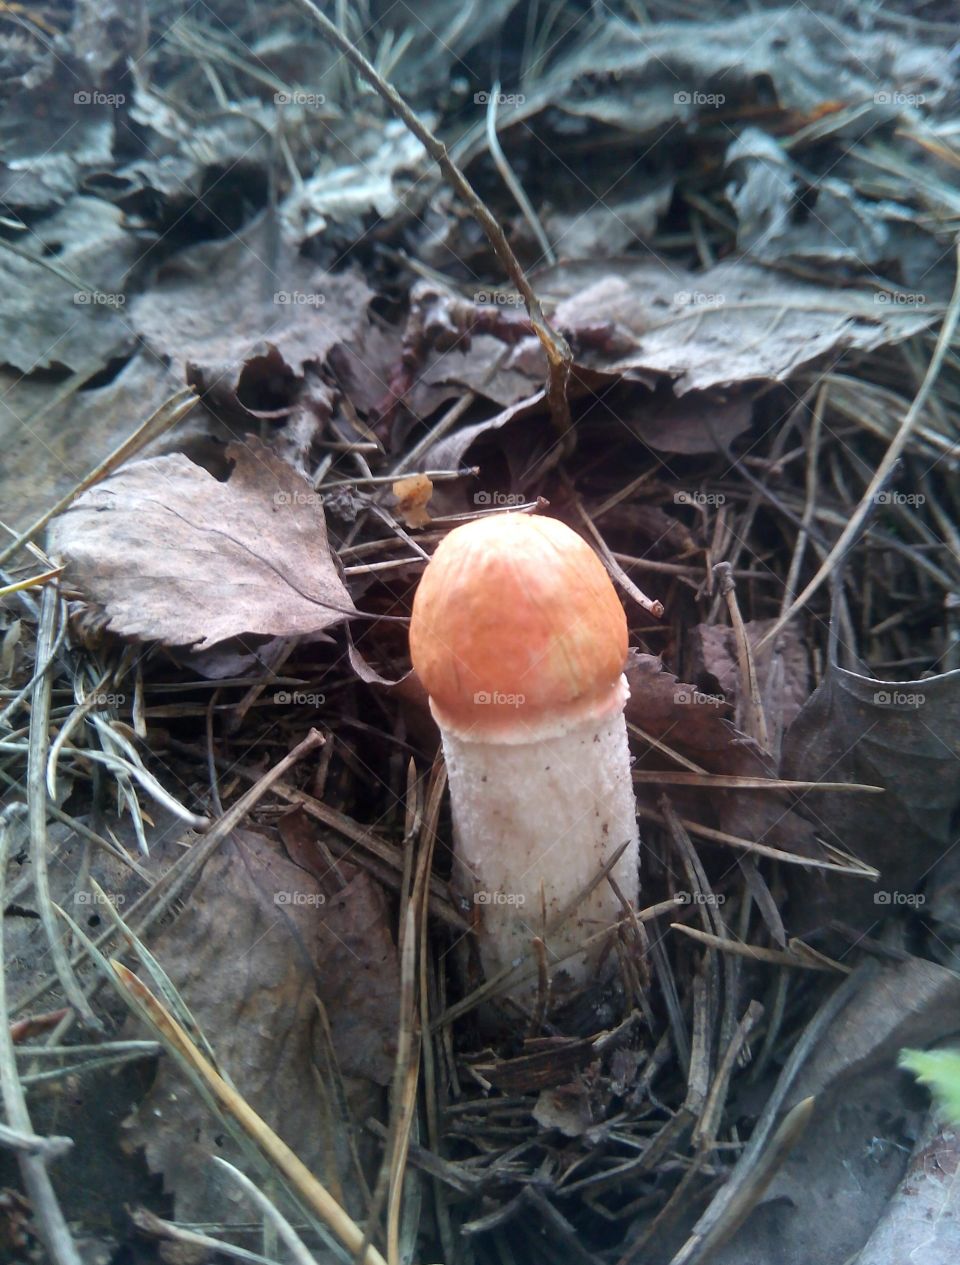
[[294, 306], [77, 319], [259, 912], [173, 555], [695, 423], [902, 735], [782, 666], [835, 1184], [359, 978], [924, 1213], [49, 445], [734, 322]]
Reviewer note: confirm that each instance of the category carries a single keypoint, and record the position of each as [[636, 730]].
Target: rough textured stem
[[533, 823]]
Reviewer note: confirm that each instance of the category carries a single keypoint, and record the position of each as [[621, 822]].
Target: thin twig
[[558, 353]]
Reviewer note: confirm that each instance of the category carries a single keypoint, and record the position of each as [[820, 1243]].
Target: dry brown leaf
[[359, 978], [242, 955], [901, 735], [173, 555], [733, 323], [784, 687], [219, 305]]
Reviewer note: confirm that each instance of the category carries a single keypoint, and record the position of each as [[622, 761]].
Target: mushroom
[[520, 640]]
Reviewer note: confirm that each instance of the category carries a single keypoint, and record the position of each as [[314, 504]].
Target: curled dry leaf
[[171, 554]]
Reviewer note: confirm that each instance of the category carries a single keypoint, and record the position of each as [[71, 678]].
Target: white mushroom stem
[[534, 822]]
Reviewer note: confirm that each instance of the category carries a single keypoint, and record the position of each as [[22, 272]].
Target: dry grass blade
[[37, 804], [705, 1133], [161, 979], [854, 868], [279, 1222], [303, 1182], [738, 783], [34, 582], [150, 1224], [754, 720], [747, 1198], [49, 1216], [49, 1148], [404, 1098], [617, 572]]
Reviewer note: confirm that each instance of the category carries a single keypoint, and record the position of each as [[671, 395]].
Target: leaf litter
[[368, 376]]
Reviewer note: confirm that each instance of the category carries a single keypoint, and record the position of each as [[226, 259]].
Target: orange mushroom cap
[[517, 631]]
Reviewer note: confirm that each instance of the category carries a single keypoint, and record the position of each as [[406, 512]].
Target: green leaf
[[939, 1070]]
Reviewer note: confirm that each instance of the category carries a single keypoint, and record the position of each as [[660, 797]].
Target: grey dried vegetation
[[687, 279]]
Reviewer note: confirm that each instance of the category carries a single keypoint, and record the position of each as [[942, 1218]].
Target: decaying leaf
[[732, 323], [902, 735], [359, 978], [271, 296], [261, 913], [76, 318], [924, 1213], [55, 445], [782, 667], [173, 555], [826, 1198]]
